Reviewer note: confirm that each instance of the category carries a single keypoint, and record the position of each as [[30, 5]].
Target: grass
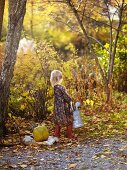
[[104, 124], [109, 121]]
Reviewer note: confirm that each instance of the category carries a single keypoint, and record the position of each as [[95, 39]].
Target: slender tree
[[17, 9], [2, 4], [31, 20]]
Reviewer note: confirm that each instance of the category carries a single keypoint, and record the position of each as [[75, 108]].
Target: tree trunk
[[108, 89], [17, 10], [113, 52], [31, 21], [2, 3]]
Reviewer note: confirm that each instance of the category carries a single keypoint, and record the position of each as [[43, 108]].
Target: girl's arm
[[66, 96]]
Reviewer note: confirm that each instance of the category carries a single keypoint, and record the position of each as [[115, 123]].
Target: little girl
[[62, 105]]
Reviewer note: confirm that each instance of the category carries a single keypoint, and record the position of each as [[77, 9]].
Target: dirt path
[[105, 154]]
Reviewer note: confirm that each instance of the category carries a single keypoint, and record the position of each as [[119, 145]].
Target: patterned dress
[[62, 113]]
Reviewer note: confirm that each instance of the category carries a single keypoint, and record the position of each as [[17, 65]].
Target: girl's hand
[[71, 104]]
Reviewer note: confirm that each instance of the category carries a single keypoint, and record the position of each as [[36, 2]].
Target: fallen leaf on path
[[107, 152], [72, 166], [103, 156], [32, 168], [95, 157], [23, 165], [42, 159], [13, 166]]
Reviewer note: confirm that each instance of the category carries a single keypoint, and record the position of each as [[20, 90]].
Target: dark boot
[[57, 131], [69, 132]]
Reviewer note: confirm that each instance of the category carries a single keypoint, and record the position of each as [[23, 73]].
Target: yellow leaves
[[10, 115], [24, 94], [19, 99], [110, 126], [60, 37], [89, 102], [22, 107], [92, 102], [106, 45]]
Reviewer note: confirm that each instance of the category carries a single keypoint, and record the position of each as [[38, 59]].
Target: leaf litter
[[96, 144]]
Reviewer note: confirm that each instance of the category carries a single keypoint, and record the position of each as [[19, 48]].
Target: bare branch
[[87, 38], [67, 24], [83, 12], [79, 5], [97, 41]]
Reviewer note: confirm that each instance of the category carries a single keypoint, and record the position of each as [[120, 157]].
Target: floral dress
[[62, 111]]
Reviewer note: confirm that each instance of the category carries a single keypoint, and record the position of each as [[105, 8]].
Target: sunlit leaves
[[88, 102], [60, 38], [39, 21], [31, 78]]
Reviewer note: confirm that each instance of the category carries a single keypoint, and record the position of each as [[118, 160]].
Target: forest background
[[87, 41]]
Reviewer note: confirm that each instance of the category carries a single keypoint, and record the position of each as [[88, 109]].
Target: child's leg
[[57, 131], [69, 131]]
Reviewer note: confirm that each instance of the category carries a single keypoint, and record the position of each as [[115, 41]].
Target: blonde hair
[[56, 77]]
